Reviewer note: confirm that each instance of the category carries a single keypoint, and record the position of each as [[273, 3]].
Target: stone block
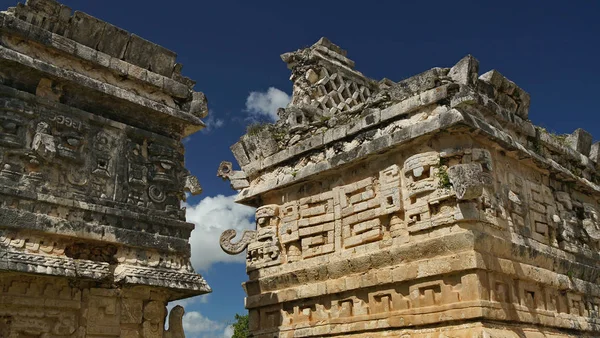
[[494, 78], [404, 107], [162, 61], [507, 102], [175, 88], [524, 100], [138, 52], [113, 41], [465, 71], [62, 43], [199, 105], [595, 152], [437, 94], [121, 67], [580, 141], [416, 84], [85, 52], [507, 93], [323, 41], [150, 56], [238, 184], [86, 29], [156, 80], [334, 134]]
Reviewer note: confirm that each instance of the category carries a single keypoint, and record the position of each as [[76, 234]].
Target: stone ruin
[[93, 240], [429, 207]]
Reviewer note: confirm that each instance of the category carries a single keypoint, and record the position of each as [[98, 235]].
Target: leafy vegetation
[[559, 138], [279, 135], [255, 128], [442, 174], [444, 182], [241, 327]]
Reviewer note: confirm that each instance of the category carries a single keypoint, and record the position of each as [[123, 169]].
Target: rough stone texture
[[581, 141], [430, 207], [93, 241]]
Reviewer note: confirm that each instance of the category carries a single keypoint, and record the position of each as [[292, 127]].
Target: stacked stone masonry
[[429, 207], [93, 240]]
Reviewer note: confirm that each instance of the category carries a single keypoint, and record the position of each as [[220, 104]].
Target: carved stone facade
[[430, 207], [93, 240]]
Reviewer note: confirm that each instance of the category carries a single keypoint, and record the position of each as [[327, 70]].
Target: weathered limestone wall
[[93, 240], [431, 207]]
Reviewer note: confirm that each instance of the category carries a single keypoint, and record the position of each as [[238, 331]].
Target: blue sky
[[232, 48]]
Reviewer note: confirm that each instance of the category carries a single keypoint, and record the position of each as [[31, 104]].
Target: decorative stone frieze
[[93, 238], [429, 207]]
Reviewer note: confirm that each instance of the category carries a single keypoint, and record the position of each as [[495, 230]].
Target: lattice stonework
[[338, 94]]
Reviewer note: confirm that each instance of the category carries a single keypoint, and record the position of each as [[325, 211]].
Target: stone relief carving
[[237, 178], [153, 172], [175, 323], [320, 83], [43, 142], [231, 248], [12, 129], [360, 208], [591, 222], [468, 180], [375, 207], [263, 243], [265, 249], [154, 316]]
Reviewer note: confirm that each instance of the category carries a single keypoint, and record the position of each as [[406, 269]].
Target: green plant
[[294, 173], [536, 145], [279, 135], [255, 128], [442, 175], [325, 118], [241, 328], [559, 138]]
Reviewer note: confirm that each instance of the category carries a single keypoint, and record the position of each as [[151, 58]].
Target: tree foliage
[[240, 327]]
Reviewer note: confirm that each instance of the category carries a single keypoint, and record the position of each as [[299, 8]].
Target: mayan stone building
[[429, 207], [93, 241]]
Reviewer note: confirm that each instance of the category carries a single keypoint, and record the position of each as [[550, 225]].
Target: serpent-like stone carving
[[235, 248]]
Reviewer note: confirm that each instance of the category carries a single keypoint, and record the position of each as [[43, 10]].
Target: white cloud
[[212, 216], [195, 322], [266, 103], [228, 333], [212, 122]]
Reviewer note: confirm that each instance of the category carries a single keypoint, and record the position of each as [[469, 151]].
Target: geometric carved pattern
[[316, 225], [360, 211], [337, 94]]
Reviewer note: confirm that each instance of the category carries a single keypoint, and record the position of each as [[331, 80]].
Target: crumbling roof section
[[337, 112], [99, 35]]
